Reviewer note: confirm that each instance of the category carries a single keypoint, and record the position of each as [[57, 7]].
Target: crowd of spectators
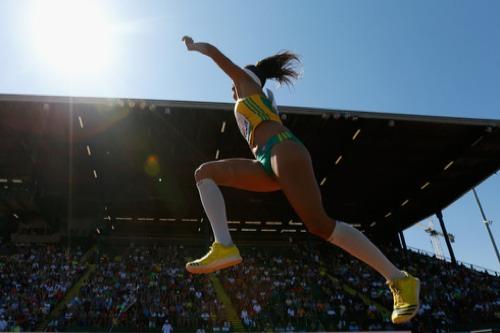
[[34, 279], [289, 292], [143, 289], [452, 296], [306, 287]]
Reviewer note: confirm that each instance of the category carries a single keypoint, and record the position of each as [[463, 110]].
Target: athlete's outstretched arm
[[243, 83], [233, 71]]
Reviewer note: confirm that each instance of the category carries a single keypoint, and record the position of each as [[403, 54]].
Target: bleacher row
[[300, 287]]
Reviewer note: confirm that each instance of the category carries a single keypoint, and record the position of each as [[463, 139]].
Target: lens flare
[[152, 166]]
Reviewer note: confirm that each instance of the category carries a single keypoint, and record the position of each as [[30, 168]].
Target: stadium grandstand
[[99, 213]]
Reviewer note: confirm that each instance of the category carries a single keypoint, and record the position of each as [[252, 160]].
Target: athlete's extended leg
[[238, 173], [292, 165]]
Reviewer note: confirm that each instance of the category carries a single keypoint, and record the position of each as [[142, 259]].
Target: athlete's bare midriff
[[264, 131]]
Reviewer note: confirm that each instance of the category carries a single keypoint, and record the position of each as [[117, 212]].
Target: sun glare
[[72, 36]]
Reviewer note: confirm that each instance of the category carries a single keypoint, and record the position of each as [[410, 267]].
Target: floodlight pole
[[439, 215], [486, 223]]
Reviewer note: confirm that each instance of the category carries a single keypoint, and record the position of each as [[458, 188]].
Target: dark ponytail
[[281, 67]]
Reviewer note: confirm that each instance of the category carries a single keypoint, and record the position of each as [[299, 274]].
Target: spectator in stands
[[167, 328], [3, 324]]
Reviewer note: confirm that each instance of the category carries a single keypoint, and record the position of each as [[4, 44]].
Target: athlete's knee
[[321, 226], [212, 170], [203, 171]]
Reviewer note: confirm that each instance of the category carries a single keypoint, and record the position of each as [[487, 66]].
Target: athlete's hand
[[189, 42], [192, 46]]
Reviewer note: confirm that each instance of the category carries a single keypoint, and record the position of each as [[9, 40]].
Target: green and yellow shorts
[[263, 154]]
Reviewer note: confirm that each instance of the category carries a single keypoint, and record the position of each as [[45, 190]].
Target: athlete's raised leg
[[292, 165], [239, 173]]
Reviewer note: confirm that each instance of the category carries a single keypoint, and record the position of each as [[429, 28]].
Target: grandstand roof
[[90, 158]]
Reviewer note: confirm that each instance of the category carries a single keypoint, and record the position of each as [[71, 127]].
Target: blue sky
[[411, 57]]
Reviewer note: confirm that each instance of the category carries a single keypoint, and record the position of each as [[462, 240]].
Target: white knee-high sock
[[215, 208], [357, 244]]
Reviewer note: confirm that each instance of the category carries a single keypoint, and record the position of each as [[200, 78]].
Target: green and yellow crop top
[[251, 111]]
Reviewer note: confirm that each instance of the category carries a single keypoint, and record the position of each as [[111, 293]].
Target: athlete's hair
[[281, 67]]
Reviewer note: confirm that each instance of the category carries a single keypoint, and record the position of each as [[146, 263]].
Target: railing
[[448, 259]]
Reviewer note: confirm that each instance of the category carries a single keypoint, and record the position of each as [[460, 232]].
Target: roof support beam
[[439, 215], [403, 242], [404, 248]]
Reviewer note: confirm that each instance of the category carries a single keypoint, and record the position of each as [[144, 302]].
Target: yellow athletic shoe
[[218, 257], [405, 292]]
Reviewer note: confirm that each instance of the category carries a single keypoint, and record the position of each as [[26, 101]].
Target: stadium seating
[[303, 287]]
